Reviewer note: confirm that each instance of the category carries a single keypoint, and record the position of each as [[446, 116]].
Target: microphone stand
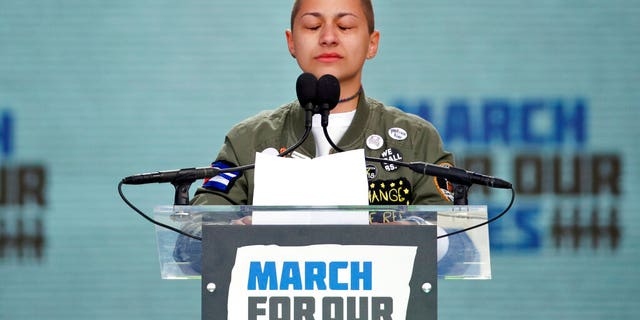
[[326, 135], [181, 196], [307, 131], [306, 89], [460, 192]]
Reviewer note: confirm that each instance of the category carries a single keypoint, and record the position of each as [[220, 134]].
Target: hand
[[242, 221]]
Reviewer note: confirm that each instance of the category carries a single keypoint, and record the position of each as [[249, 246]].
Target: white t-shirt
[[338, 125]]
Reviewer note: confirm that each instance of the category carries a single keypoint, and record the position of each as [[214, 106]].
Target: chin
[[335, 71], [320, 71]]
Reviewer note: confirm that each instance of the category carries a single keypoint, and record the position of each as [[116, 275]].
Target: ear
[[374, 39], [290, 43]]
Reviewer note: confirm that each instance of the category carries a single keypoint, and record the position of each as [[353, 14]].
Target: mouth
[[328, 57]]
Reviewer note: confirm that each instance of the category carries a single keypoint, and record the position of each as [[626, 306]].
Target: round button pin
[[375, 142], [397, 134]]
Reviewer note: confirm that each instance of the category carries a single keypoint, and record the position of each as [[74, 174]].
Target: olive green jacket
[[381, 131]]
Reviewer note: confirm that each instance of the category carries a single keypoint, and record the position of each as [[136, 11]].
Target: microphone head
[[328, 92], [306, 89]]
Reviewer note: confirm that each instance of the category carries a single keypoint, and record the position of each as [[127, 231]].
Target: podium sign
[[319, 272]]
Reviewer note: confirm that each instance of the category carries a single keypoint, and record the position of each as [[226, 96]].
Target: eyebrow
[[319, 15]]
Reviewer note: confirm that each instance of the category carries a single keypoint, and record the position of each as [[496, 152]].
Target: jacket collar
[[352, 139]]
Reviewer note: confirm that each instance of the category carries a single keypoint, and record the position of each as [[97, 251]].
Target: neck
[[350, 95]]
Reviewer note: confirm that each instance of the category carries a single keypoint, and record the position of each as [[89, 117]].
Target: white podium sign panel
[[349, 281]]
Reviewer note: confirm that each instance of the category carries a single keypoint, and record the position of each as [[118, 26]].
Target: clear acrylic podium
[[343, 262]]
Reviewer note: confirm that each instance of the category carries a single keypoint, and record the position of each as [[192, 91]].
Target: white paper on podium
[[337, 179]]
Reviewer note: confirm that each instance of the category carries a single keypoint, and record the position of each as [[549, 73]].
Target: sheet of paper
[[337, 179]]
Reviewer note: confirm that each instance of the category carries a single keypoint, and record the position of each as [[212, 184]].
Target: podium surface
[[467, 254], [341, 261]]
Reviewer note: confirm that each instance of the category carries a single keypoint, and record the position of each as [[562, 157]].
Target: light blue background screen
[[543, 93]]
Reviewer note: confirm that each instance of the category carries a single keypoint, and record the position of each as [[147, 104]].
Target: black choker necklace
[[352, 97]]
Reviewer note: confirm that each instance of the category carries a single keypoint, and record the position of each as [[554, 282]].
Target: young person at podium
[[335, 37]]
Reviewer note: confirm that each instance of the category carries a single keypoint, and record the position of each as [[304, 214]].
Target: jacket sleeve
[[429, 190], [224, 189]]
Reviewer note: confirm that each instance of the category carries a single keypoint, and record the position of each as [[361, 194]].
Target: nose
[[329, 36]]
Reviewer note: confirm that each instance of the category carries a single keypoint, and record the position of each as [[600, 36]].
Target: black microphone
[[328, 98], [328, 95], [173, 176], [306, 91], [306, 88], [452, 174], [457, 175]]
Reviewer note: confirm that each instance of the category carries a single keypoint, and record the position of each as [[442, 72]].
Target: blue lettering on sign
[[291, 276], [458, 122], [531, 121], [334, 268], [571, 120], [533, 117], [6, 133], [364, 275], [497, 121], [516, 230], [264, 276], [314, 275]]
